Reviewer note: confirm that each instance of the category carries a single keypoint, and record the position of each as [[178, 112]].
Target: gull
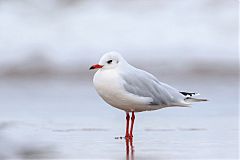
[[133, 90]]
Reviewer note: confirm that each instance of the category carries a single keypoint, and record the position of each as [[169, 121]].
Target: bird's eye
[[109, 62]]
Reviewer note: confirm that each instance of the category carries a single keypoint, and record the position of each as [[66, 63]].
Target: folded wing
[[143, 84]]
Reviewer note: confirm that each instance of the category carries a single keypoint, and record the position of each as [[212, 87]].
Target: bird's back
[[144, 84]]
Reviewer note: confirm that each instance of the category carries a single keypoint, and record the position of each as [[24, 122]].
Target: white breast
[[109, 86]]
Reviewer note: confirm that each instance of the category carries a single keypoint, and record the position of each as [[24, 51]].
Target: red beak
[[95, 66]]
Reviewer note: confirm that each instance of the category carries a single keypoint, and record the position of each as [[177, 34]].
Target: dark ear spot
[[109, 62]]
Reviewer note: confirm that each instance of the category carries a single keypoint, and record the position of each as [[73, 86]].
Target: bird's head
[[108, 61]]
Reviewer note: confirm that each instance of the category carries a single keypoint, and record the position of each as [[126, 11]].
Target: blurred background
[[49, 106]]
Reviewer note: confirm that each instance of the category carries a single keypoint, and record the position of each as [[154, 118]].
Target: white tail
[[190, 100]]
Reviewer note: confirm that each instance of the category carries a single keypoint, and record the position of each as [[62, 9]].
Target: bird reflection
[[129, 149]]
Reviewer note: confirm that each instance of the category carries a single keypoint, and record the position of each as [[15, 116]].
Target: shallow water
[[66, 119]]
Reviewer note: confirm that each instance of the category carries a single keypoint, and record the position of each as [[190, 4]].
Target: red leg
[[132, 124], [127, 148], [127, 125]]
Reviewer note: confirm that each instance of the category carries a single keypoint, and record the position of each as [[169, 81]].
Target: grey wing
[[141, 83]]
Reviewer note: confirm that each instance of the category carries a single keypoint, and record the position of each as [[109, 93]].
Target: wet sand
[[59, 119]]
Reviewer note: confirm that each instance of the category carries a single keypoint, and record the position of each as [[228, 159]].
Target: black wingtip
[[190, 94]]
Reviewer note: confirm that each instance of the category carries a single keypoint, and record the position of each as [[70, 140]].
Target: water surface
[[66, 119]]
